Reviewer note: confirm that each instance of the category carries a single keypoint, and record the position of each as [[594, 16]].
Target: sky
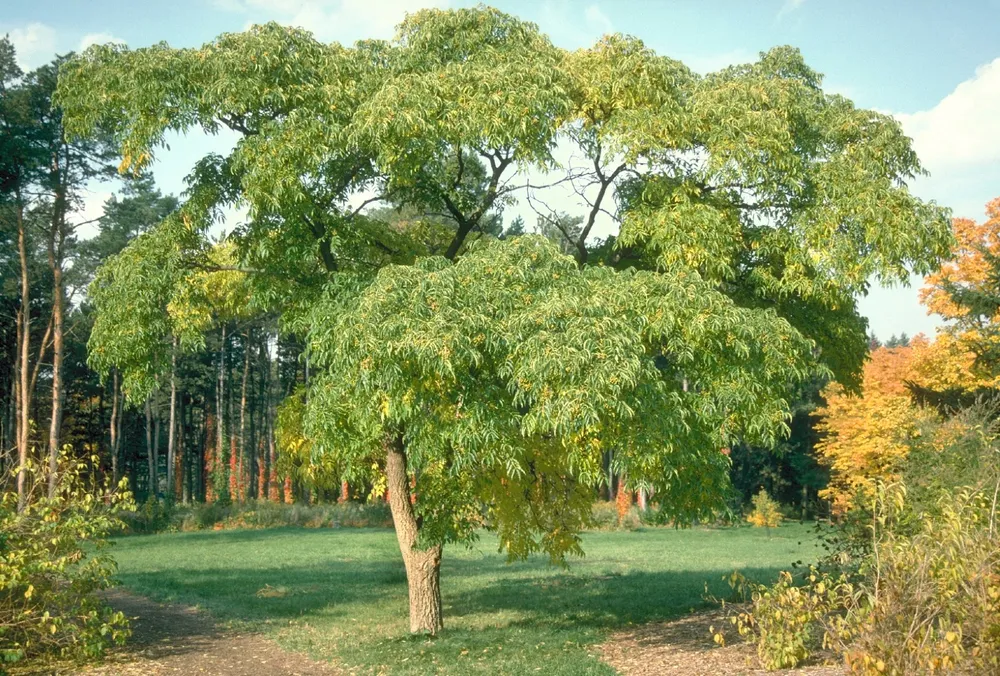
[[933, 65]]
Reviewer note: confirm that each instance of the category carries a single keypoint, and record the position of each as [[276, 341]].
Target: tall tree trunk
[[118, 436], [114, 425], [179, 486], [58, 300], [24, 343], [423, 566], [157, 419], [221, 465], [172, 430], [150, 450], [243, 450]]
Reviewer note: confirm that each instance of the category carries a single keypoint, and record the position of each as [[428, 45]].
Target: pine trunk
[[172, 430], [423, 566], [150, 456], [113, 428], [58, 350], [24, 343]]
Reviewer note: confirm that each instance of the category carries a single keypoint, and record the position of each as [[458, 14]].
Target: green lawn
[[341, 594]]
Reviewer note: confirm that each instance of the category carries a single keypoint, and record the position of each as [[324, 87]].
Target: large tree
[[483, 386]]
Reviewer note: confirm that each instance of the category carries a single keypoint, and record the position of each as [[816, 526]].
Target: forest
[[347, 324]]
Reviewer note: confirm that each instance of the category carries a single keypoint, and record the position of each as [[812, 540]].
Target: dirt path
[[685, 647], [171, 639]]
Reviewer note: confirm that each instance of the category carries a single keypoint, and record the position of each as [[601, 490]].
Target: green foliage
[[766, 511], [53, 561], [790, 621], [154, 516]]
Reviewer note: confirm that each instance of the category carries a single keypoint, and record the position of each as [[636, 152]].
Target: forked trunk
[[423, 566]]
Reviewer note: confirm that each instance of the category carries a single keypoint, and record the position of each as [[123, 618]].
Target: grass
[[341, 593]]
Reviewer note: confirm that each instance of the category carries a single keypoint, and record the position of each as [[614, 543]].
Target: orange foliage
[[865, 437], [968, 267]]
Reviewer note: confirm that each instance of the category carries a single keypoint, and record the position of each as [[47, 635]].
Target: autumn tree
[[482, 386], [866, 436], [966, 290]]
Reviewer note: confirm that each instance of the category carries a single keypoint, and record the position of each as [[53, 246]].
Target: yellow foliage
[[865, 437], [766, 511]]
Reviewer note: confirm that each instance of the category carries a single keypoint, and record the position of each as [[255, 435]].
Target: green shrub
[[53, 561], [154, 516], [157, 516], [606, 516], [766, 511]]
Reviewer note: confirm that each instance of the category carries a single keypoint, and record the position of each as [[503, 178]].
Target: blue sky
[[935, 65]]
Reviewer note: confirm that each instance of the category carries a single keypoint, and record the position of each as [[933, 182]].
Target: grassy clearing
[[341, 594]]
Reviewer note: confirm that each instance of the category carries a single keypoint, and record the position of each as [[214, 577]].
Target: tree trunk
[[24, 343], [150, 449], [172, 429], [423, 566], [114, 426], [58, 299], [220, 479]]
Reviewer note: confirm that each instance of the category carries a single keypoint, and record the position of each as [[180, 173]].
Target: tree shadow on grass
[[603, 601], [281, 592], [530, 589]]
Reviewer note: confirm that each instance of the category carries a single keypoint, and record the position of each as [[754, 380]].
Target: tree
[[966, 290], [867, 436], [491, 380]]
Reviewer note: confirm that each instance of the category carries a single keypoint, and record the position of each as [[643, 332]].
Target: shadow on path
[[173, 639]]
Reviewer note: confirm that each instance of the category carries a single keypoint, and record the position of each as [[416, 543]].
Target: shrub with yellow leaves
[[52, 563]]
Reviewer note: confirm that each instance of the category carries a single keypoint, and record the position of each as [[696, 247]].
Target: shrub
[[922, 602], [766, 511], [609, 516], [52, 563], [154, 516], [158, 516]]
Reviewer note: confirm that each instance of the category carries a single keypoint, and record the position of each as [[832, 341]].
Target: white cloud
[[598, 20], [963, 129], [343, 20], [98, 39], [35, 44]]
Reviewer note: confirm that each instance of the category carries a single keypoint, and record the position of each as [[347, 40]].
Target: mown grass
[[341, 594]]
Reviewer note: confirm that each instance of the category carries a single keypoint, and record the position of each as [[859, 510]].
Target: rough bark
[[423, 566]]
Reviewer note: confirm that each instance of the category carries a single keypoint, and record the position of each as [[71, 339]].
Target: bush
[[154, 516], [921, 602], [158, 516], [766, 511], [608, 516], [52, 563]]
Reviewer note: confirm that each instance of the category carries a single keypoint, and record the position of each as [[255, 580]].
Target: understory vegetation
[[912, 582], [54, 560]]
